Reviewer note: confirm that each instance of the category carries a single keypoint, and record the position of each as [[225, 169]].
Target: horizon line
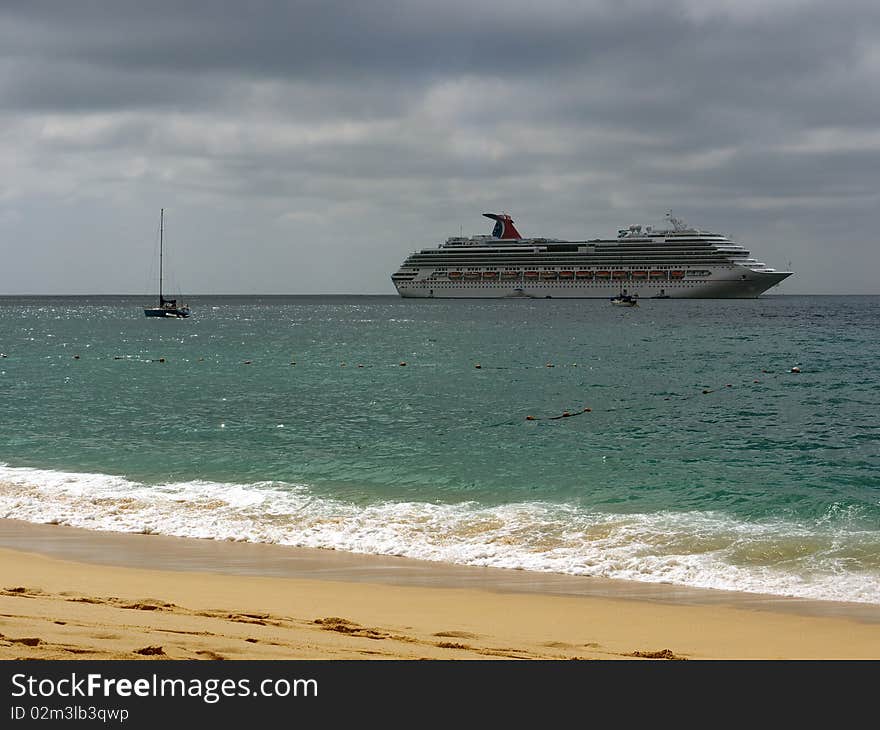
[[378, 294]]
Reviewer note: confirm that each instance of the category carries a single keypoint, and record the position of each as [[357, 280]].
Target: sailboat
[[167, 307]]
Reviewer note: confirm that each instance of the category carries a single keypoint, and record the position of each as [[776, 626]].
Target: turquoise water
[[702, 460]]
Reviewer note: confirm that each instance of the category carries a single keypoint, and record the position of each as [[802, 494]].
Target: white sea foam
[[702, 549]]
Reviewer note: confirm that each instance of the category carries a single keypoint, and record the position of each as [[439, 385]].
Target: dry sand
[[235, 601]]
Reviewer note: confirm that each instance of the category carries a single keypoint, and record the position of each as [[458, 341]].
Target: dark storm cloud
[[300, 40], [408, 114], [642, 68]]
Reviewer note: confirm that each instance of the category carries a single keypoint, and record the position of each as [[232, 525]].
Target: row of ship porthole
[[502, 285], [580, 276]]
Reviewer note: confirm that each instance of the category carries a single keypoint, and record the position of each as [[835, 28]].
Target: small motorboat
[[625, 300]]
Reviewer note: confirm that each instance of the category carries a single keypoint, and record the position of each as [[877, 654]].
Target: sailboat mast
[[161, 237]]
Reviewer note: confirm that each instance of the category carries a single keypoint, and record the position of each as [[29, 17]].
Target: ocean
[[436, 429]]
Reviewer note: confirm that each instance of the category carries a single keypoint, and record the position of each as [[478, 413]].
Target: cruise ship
[[671, 263]]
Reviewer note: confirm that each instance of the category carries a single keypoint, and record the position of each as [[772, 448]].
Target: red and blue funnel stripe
[[504, 227]]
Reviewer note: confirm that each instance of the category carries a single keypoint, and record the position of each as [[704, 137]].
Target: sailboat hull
[[175, 312]]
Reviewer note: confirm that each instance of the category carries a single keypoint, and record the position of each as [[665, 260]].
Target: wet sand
[[71, 593]]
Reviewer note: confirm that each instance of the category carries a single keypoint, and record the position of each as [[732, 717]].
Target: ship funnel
[[504, 227]]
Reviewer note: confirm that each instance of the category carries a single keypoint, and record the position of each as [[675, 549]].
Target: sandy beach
[[68, 593]]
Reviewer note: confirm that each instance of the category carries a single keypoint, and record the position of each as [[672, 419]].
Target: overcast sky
[[307, 147]]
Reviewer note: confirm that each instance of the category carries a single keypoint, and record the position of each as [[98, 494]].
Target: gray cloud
[[308, 146]]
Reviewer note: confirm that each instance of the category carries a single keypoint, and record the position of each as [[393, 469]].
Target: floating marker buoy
[[161, 359]]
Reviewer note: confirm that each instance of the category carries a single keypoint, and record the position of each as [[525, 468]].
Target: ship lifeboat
[[658, 274], [531, 274], [584, 274], [619, 274], [490, 274], [639, 274], [454, 274], [510, 274], [676, 274], [603, 274], [566, 274], [548, 274], [471, 274]]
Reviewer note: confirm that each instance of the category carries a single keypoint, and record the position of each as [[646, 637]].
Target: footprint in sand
[[455, 635], [452, 645], [208, 654], [344, 626], [661, 654], [150, 651]]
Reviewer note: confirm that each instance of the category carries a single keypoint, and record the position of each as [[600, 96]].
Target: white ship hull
[[753, 285]]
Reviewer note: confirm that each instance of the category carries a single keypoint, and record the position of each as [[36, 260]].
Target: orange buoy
[[530, 418]]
